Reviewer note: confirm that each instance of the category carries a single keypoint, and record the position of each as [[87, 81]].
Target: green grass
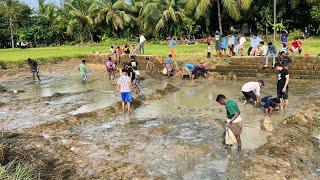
[[184, 52]]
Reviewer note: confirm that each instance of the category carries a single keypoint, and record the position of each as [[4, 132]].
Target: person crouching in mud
[[270, 104], [234, 122]]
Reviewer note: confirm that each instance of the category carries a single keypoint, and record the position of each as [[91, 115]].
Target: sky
[[34, 3]]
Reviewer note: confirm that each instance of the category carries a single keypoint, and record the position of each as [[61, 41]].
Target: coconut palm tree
[[14, 10], [161, 15], [79, 15], [112, 13], [201, 8]]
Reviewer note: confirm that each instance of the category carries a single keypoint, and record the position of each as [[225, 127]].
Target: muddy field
[[74, 131]]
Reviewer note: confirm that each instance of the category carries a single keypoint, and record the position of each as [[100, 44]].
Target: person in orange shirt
[[118, 54], [296, 46], [172, 43]]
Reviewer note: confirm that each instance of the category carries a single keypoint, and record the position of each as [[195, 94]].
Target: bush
[[296, 33]]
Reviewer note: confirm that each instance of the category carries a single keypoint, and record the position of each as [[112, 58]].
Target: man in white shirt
[[124, 86], [251, 90], [142, 40], [242, 40]]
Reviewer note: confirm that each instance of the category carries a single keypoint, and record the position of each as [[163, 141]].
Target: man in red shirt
[[296, 45]]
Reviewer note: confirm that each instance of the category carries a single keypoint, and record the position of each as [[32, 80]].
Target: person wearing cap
[[251, 90], [199, 69], [282, 84], [234, 122]]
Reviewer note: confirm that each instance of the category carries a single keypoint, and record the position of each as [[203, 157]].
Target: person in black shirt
[[132, 75], [282, 84], [33, 68], [134, 64], [126, 49]]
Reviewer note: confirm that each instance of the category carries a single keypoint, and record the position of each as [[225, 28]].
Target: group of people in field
[[251, 92], [234, 45], [129, 73]]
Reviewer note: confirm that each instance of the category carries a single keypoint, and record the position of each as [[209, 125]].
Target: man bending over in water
[[251, 90], [270, 104], [234, 121], [33, 68]]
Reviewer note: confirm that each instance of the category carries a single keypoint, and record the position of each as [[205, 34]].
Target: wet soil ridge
[[152, 65], [292, 152], [300, 68], [62, 141], [108, 112], [42, 165]]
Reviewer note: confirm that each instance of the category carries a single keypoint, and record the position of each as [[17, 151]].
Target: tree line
[[78, 21]]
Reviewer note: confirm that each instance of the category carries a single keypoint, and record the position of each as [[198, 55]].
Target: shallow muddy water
[[176, 137], [56, 97]]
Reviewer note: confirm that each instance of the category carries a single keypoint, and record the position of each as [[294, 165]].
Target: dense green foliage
[[95, 20]]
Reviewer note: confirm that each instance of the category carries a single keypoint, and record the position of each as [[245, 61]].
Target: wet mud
[[174, 132], [292, 152]]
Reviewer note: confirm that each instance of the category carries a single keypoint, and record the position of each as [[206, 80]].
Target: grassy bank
[[185, 52]]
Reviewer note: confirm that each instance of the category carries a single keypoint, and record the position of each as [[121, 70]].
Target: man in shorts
[[33, 68], [251, 90], [124, 87], [282, 84], [83, 69], [270, 104], [234, 121]]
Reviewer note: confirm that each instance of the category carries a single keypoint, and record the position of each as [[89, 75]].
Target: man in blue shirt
[[270, 104], [255, 41], [284, 37], [187, 69]]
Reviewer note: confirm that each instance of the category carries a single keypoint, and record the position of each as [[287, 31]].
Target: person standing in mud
[[282, 85], [34, 68], [124, 86], [83, 69], [142, 41], [234, 122]]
